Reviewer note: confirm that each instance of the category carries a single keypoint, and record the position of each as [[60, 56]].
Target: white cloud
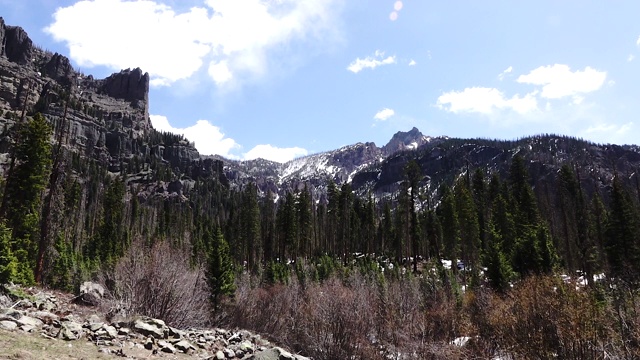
[[485, 101], [607, 132], [630, 57], [235, 37], [273, 153], [412, 63], [208, 138], [505, 72], [638, 41], [371, 62], [559, 81], [384, 114]]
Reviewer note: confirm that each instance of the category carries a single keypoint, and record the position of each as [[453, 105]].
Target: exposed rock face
[[130, 85], [16, 44], [409, 140], [59, 69]]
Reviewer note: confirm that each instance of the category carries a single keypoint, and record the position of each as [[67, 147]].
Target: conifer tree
[[220, 273], [450, 227], [499, 271], [250, 226], [622, 234], [8, 262], [23, 192]]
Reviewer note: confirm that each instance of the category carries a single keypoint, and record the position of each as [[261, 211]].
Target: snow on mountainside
[[339, 165]]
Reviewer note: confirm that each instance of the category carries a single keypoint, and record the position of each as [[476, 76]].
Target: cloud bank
[[231, 38], [210, 140]]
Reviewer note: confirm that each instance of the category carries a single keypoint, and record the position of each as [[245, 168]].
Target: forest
[[484, 263]]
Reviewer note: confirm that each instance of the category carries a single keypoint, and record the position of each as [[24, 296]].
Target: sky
[[280, 79]]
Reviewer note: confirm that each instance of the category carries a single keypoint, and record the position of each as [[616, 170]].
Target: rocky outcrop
[[16, 44], [60, 70], [63, 321], [130, 85]]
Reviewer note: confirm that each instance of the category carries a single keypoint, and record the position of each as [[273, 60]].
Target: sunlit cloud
[[208, 138], [630, 57], [371, 62], [485, 101], [397, 6], [559, 81], [273, 153], [613, 133], [235, 39], [505, 73], [384, 114], [412, 63]]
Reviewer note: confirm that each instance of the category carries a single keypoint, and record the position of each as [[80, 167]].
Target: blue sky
[[284, 78]]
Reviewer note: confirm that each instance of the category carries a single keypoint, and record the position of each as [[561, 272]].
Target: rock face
[[16, 44], [130, 85]]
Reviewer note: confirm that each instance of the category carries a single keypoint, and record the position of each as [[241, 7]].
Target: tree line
[[65, 218]]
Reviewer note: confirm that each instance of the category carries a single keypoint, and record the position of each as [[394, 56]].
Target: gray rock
[[220, 355], [10, 314], [45, 316], [30, 322], [91, 293], [230, 354], [276, 354], [184, 346], [151, 327], [8, 325], [70, 330], [166, 347]]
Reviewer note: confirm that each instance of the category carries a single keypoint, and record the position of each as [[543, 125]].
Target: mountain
[[122, 179]]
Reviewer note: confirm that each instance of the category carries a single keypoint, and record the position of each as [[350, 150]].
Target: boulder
[[151, 327], [8, 325], [90, 293], [70, 330], [184, 346], [166, 347]]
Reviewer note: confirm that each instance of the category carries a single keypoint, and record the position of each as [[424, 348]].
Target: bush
[[158, 282]]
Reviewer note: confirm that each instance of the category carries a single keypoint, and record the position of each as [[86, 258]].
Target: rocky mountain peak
[[405, 140]]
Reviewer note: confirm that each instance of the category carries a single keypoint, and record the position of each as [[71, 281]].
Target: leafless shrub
[[353, 316], [159, 282]]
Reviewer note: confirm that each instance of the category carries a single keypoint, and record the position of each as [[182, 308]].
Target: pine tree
[[23, 192], [622, 234], [469, 228], [499, 271], [250, 226], [8, 262], [450, 227], [220, 272]]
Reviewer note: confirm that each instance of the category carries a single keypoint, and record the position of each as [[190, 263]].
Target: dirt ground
[[20, 345]]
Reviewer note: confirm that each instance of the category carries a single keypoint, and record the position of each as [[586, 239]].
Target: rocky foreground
[[55, 318]]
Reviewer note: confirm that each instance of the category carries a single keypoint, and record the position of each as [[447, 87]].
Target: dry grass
[[19, 345]]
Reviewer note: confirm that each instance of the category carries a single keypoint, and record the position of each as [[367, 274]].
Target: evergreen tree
[[220, 272], [23, 192], [623, 236], [250, 227], [499, 271], [8, 262], [450, 227], [469, 228]]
